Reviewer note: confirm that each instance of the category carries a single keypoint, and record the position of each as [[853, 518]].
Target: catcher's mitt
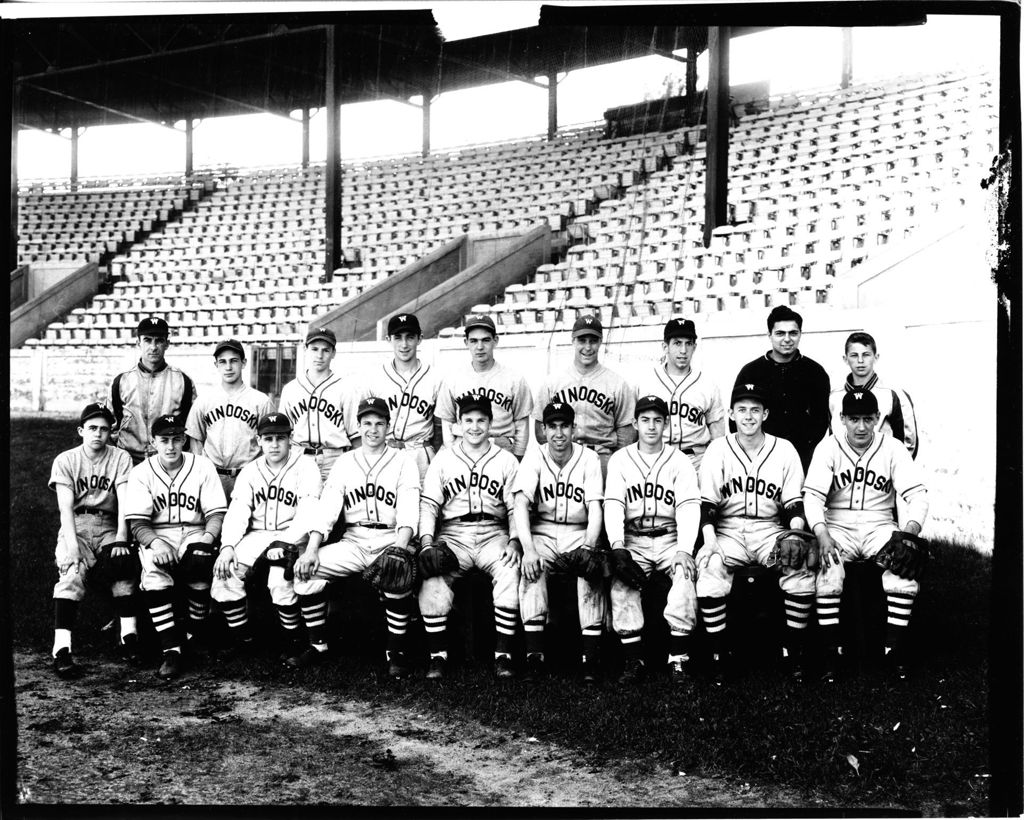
[[437, 559], [121, 567], [905, 555], [394, 571], [289, 555], [197, 562], [627, 570], [590, 564], [794, 549]]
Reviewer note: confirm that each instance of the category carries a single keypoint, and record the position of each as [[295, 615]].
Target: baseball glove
[[394, 571], [626, 569], [437, 559], [590, 564], [905, 555], [289, 555], [794, 549], [197, 562], [121, 567]]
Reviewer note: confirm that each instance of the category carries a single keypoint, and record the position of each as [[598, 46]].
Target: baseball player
[[557, 506], [319, 405], [849, 496], [696, 415], [410, 389], [600, 397], [468, 492], [376, 489], [175, 499], [651, 513], [276, 500], [751, 484], [90, 484], [507, 391], [896, 410], [222, 422], [150, 389]]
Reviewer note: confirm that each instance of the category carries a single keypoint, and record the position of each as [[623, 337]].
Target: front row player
[[175, 499], [90, 484], [274, 499], [751, 486], [651, 512], [849, 495]]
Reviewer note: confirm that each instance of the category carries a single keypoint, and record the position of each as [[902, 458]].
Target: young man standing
[[651, 513], [90, 483], [797, 388], [601, 399], [468, 490], [151, 389], [696, 415], [507, 391], [557, 506], [850, 497], [222, 422]]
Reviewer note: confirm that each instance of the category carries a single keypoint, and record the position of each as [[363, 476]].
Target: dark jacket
[[798, 394]]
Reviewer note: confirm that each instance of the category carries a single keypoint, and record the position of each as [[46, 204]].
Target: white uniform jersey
[[225, 423], [752, 487], [456, 485], [507, 390], [411, 400], [322, 415], [600, 398], [267, 500], [560, 495], [896, 415], [643, 491], [94, 483], [694, 402], [189, 498], [839, 479], [382, 489]]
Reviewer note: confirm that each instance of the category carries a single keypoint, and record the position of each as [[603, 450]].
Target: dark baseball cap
[[170, 425], [559, 411], [587, 325], [274, 423], [93, 410], [748, 390], [475, 401], [480, 320], [373, 405], [404, 323], [859, 403], [229, 344], [321, 334], [680, 329], [153, 326], [645, 403]]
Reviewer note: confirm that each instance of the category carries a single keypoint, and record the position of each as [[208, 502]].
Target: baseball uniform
[[694, 402], [411, 402], [508, 392], [323, 417]]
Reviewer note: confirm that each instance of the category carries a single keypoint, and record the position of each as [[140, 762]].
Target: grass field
[[864, 741]]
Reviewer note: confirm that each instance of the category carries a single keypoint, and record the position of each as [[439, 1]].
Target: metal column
[[552, 103], [332, 171], [844, 81], [426, 123], [188, 146], [305, 137], [716, 194], [74, 157]]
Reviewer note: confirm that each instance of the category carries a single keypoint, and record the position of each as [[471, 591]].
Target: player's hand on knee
[[224, 566], [510, 553], [710, 548], [683, 562], [72, 558], [828, 550], [163, 553], [533, 565], [306, 566]]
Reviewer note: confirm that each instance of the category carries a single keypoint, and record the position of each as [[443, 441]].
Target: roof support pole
[[691, 86], [189, 126], [716, 194], [332, 171], [552, 103], [74, 158], [305, 137], [13, 111], [844, 81], [426, 123]]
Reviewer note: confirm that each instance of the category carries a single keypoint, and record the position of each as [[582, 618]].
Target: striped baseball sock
[[289, 616], [798, 616], [827, 607], [160, 603], [899, 605], [398, 610], [436, 627], [505, 629], [713, 614], [534, 632], [198, 608], [678, 646], [632, 645], [236, 613], [314, 614]]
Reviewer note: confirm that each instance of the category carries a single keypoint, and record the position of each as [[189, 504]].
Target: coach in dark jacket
[[798, 387]]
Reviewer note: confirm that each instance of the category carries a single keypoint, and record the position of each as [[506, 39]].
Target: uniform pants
[[654, 554], [155, 578], [745, 542], [93, 532], [860, 534], [550, 541], [248, 549]]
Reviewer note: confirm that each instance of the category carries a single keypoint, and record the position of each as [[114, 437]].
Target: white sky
[[789, 58]]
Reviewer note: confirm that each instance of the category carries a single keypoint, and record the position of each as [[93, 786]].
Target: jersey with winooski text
[[226, 424], [94, 482], [694, 402], [650, 486], [190, 497], [560, 494], [601, 399], [507, 390], [322, 415], [456, 484], [411, 400], [381, 489], [757, 486], [265, 499]]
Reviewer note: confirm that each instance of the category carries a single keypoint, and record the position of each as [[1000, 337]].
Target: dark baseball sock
[[798, 615], [398, 611], [198, 608], [65, 613], [314, 614], [533, 630], [436, 627], [714, 615], [236, 613], [827, 608], [505, 629], [591, 641], [899, 606], [289, 616], [679, 645], [632, 646], [124, 606], [160, 603]]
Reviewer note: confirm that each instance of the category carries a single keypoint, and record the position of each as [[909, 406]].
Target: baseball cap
[[404, 323], [321, 334], [373, 405], [475, 401], [273, 423], [170, 425], [93, 410], [587, 325], [680, 329], [229, 344], [153, 326], [558, 411], [645, 403], [859, 403], [480, 320], [748, 390]]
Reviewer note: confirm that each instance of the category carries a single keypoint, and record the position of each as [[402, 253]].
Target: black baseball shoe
[[679, 673], [307, 658], [831, 663], [536, 668], [717, 669], [438, 668], [64, 665], [292, 645], [503, 667], [895, 665], [130, 650], [240, 648], [171, 666], [398, 665], [793, 666], [633, 672], [590, 669]]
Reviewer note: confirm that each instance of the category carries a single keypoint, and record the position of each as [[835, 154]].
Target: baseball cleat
[[535, 667], [307, 658], [131, 652], [171, 666], [678, 673], [590, 669], [438, 668], [830, 666], [292, 646], [717, 669], [503, 667], [64, 665], [633, 672], [398, 665]]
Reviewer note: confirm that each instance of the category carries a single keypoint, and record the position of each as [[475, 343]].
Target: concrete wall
[[71, 291]]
